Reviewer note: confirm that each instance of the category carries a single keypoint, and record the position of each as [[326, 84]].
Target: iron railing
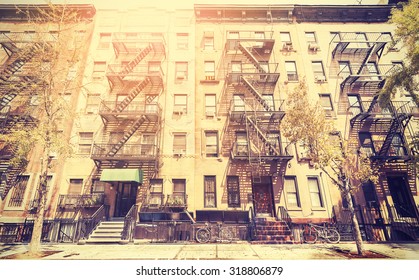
[[87, 225], [129, 224], [80, 200], [134, 151]]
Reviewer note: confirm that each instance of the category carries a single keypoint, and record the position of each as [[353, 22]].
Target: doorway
[[401, 195], [126, 195], [263, 196]]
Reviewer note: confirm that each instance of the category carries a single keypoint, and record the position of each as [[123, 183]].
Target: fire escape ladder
[[132, 94], [115, 148], [251, 58], [8, 180], [256, 94], [366, 59], [140, 56], [262, 136], [18, 61], [394, 129], [13, 91]]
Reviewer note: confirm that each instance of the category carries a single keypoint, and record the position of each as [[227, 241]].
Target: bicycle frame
[[311, 233]]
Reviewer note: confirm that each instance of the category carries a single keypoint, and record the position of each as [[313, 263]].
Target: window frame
[[181, 70], [233, 191], [318, 193], [179, 143], [209, 146], [210, 191], [291, 72], [18, 192], [294, 192]]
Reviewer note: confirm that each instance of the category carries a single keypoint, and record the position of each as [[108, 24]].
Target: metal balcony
[[109, 111], [239, 110], [260, 43], [249, 71], [133, 152]]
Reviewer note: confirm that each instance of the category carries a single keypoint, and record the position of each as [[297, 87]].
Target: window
[[181, 70], [18, 191], [259, 36], [147, 144], [211, 144], [92, 103], [209, 192], [236, 67], [291, 191], [156, 193], [354, 104], [310, 37], [238, 101], [151, 104], [182, 40], [179, 144], [233, 35], [269, 100], [208, 40], [104, 40], [210, 105], [209, 70], [76, 186], [286, 41], [370, 195], [291, 69], [242, 144], [99, 68], [344, 69], [326, 101], [179, 191], [233, 191], [154, 67], [366, 144], [318, 71], [315, 194], [180, 104], [85, 142], [397, 147]]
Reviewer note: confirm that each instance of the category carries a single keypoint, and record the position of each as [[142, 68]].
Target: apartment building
[[179, 125]]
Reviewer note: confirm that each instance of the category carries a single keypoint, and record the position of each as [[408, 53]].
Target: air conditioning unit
[[210, 114], [178, 152], [179, 110], [313, 47], [287, 46], [180, 76], [320, 79], [329, 113], [209, 78]]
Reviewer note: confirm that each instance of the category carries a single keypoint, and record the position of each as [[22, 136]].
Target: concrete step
[[107, 232]]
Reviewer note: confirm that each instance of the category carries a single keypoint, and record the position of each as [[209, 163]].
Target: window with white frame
[[326, 101], [76, 186], [286, 41], [208, 40], [92, 103], [209, 68], [211, 144], [210, 198], [85, 142], [99, 68], [104, 40], [179, 144], [291, 190], [291, 70], [210, 105], [156, 193], [180, 104], [182, 40], [315, 193], [318, 71], [179, 191], [181, 70]]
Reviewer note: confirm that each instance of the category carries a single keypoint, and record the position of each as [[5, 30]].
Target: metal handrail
[[129, 224]]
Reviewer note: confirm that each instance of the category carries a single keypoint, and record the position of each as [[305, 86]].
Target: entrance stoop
[[107, 232], [270, 231]]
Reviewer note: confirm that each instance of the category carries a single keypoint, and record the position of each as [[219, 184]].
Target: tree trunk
[[358, 238], [35, 243]]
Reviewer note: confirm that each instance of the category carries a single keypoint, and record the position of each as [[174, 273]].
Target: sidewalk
[[216, 251]]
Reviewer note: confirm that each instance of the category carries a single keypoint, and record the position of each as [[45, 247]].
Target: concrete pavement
[[215, 251]]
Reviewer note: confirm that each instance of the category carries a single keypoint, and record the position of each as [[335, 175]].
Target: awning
[[122, 175]]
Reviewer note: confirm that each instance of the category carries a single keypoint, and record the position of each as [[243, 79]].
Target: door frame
[[119, 189], [266, 182]]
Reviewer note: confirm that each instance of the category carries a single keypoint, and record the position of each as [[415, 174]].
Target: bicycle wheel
[[332, 235], [202, 235], [226, 235], [309, 235]]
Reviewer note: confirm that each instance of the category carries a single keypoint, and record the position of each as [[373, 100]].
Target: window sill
[[209, 81], [318, 209]]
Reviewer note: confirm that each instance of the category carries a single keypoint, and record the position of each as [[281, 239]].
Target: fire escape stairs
[[133, 93], [18, 62], [10, 92], [251, 58], [256, 94], [394, 129], [115, 148], [140, 56], [261, 135]]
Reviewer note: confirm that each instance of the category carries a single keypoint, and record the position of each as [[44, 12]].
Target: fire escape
[[15, 92], [132, 115], [254, 115]]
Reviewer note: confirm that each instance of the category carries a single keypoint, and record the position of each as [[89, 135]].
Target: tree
[[305, 123], [406, 34], [57, 50]]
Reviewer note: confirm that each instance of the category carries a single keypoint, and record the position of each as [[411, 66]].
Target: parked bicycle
[[205, 234], [312, 232]]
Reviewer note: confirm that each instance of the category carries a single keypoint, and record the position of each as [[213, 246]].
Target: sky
[[188, 3]]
